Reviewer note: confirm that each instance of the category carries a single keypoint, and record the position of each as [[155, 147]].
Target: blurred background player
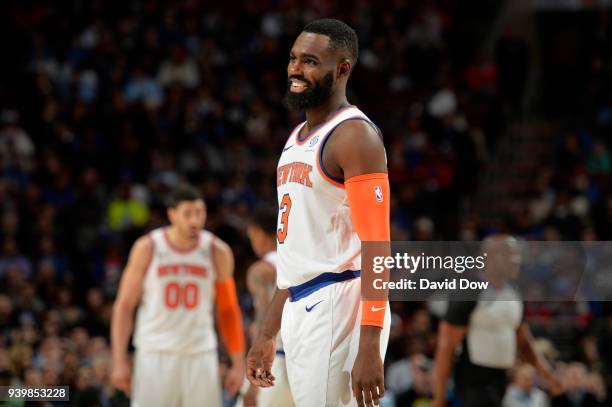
[[175, 276], [490, 331], [333, 193], [261, 281]]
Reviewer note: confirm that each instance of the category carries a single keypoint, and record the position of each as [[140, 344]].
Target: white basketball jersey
[[491, 336], [315, 231], [271, 258], [176, 310]]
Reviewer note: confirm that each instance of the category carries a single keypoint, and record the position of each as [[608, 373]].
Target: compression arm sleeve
[[229, 316], [369, 201]]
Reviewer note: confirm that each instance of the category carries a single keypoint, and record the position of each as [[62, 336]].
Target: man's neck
[[318, 115], [180, 241]]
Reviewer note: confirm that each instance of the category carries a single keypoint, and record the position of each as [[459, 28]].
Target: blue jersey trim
[[322, 280], [320, 155], [280, 352]]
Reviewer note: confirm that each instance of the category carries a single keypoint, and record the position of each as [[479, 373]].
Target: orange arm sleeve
[[229, 316], [369, 200]]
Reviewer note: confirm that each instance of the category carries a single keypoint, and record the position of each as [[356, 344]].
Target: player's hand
[[235, 376], [368, 377], [259, 362], [250, 397], [121, 376]]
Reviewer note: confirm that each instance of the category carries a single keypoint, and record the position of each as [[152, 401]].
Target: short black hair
[[183, 193], [341, 37], [264, 218]]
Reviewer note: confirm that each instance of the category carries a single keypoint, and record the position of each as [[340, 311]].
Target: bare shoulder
[[358, 134], [132, 280], [144, 243], [142, 249], [357, 148], [263, 270], [220, 246]]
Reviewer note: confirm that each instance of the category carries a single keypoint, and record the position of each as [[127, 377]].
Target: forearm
[[531, 356], [528, 352], [237, 358], [261, 301], [271, 322], [369, 200], [369, 338], [229, 317], [443, 366], [121, 329], [230, 327]]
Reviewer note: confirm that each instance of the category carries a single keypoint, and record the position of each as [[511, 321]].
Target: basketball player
[[175, 276], [261, 280], [491, 331], [333, 193]]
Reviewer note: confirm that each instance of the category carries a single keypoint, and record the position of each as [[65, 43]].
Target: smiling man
[[333, 193]]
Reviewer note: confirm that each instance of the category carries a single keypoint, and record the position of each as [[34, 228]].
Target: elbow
[[445, 346], [122, 308], [442, 343]]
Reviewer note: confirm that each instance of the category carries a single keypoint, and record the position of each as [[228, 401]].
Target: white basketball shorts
[[320, 331], [176, 380]]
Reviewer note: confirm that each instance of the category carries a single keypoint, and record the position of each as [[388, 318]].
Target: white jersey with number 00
[[315, 231], [176, 310]]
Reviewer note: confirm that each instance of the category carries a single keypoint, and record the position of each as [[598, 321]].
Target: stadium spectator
[[523, 391]]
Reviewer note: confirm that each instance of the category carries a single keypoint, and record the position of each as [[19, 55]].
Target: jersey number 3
[[283, 209]]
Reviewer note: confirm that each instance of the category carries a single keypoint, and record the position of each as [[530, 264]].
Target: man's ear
[[344, 68]]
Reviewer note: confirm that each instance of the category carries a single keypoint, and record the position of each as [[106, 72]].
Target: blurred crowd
[[105, 109]]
